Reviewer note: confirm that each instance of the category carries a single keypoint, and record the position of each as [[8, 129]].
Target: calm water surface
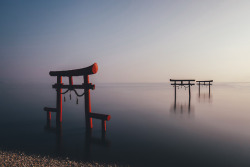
[[147, 127]]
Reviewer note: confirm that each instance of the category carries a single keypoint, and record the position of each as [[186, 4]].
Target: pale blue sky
[[132, 41]]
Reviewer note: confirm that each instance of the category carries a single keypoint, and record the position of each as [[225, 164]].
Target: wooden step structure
[[84, 72]]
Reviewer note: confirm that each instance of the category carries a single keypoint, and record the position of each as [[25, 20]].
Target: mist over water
[[147, 127]]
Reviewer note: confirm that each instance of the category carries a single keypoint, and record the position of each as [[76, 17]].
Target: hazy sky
[[132, 41]]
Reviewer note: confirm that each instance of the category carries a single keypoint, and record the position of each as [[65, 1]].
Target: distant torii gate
[[182, 82], [205, 83], [85, 72]]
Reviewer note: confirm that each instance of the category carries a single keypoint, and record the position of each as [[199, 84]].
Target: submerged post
[[209, 89], [189, 86], [48, 115], [189, 106], [175, 90], [199, 89], [48, 119], [88, 119], [59, 100]]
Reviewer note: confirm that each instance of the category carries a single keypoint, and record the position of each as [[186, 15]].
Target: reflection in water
[[205, 97], [218, 131], [94, 140], [58, 131], [180, 108], [89, 139]]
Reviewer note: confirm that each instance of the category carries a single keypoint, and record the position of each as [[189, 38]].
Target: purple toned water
[[147, 127]]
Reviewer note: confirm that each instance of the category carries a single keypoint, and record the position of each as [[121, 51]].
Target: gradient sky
[[132, 41]]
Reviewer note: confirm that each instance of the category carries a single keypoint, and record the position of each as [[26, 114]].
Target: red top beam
[[77, 72]]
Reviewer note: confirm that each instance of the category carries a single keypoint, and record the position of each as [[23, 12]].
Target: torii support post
[[48, 119], [189, 88], [88, 119], [189, 106], [199, 89], [175, 90], [59, 100]]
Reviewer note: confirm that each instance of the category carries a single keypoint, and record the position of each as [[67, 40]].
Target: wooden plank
[[77, 72], [205, 81], [50, 109], [71, 87], [182, 80], [204, 84], [182, 84], [100, 116]]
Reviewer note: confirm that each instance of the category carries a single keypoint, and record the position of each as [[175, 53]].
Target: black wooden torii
[[205, 83], [182, 82], [85, 72]]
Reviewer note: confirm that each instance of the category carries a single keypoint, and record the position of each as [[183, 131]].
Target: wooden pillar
[[189, 88], [48, 115], [88, 119], [189, 105], [70, 80], [175, 89], [209, 89], [199, 89], [59, 100], [174, 95], [48, 119], [104, 125], [103, 130]]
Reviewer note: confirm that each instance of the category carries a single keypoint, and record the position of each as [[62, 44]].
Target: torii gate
[[85, 72], [182, 82], [205, 83]]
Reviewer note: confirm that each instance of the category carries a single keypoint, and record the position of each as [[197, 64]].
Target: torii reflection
[[58, 131], [89, 140], [87, 145], [181, 108]]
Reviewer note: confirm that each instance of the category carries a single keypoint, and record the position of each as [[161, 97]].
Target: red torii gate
[[85, 72]]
